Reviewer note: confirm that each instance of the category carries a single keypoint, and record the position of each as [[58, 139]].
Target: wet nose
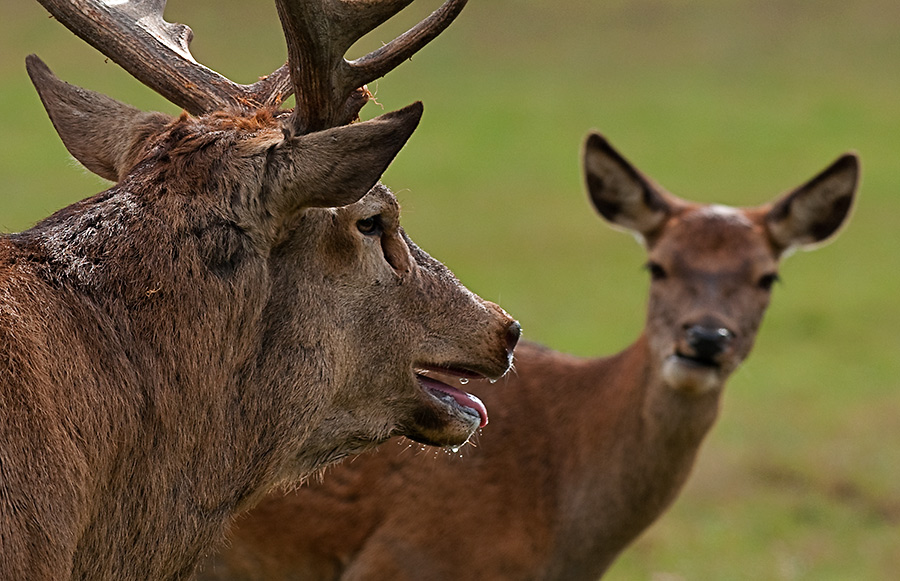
[[513, 332], [708, 342]]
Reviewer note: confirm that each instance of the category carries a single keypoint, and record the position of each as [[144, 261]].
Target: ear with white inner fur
[[338, 166], [620, 192], [103, 134], [816, 210]]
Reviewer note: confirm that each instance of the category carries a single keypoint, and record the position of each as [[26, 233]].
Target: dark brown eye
[[767, 280], [657, 272], [370, 226]]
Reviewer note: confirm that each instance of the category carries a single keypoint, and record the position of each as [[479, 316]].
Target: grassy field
[[732, 101]]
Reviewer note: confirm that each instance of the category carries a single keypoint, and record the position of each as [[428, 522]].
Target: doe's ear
[[620, 192], [338, 166], [816, 210], [105, 135]]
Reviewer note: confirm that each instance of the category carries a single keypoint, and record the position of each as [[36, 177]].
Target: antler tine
[[379, 62], [359, 17], [330, 90], [134, 35]]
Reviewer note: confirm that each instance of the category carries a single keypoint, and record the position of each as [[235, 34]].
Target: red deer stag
[[235, 313], [582, 454]]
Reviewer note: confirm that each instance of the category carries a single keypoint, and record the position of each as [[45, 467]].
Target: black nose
[[513, 332], [708, 342]]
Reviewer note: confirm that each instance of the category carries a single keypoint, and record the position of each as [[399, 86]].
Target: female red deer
[[236, 312], [582, 454]]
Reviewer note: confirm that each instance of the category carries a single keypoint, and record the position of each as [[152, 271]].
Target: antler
[[329, 90], [134, 35]]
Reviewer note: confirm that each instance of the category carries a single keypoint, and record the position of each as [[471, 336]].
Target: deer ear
[[106, 136], [816, 210], [620, 192], [338, 166]]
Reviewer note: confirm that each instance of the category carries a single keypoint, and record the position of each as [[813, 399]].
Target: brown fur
[[212, 326], [581, 454]]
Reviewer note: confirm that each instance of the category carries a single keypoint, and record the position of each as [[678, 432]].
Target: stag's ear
[[106, 136], [337, 166], [816, 210], [620, 192]]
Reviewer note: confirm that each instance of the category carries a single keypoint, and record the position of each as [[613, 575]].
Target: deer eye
[[657, 272], [767, 280], [370, 226]]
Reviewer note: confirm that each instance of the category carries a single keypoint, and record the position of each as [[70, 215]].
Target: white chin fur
[[694, 379]]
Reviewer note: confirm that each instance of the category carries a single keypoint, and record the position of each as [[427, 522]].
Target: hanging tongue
[[464, 399]]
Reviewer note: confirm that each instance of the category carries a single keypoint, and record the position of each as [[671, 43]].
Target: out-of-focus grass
[[730, 101]]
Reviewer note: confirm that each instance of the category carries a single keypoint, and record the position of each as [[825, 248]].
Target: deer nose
[[708, 342], [513, 332]]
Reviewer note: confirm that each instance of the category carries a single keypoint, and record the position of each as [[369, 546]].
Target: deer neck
[[633, 412], [669, 417], [642, 449]]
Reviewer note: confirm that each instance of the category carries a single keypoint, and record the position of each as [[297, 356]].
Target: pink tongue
[[464, 399]]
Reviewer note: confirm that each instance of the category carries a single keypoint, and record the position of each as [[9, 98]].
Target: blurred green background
[[732, 101]]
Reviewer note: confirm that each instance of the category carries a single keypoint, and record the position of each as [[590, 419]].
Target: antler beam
[[134, 35]]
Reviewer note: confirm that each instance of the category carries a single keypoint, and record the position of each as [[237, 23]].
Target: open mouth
[[436, 382]]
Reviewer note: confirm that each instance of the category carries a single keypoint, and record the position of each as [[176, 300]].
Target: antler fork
[[329, 89]]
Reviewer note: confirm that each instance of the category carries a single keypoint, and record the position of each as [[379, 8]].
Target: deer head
[[712, 267], [353, 331]]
